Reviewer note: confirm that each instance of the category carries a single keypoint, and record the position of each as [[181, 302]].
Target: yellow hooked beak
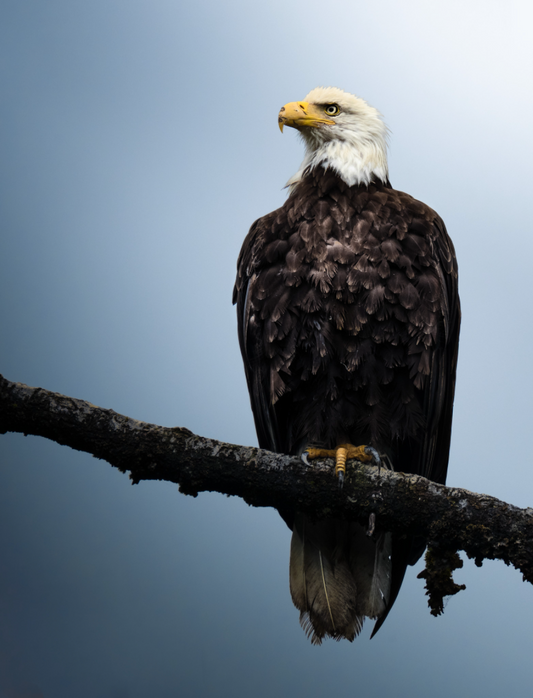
[[301, 114]]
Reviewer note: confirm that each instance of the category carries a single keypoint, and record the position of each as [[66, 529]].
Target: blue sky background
[[138, 142]]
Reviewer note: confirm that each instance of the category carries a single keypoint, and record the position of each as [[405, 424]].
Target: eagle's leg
[[346, 451], [341, 454]]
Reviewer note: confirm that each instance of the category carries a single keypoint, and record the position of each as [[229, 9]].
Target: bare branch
[[450, 519]]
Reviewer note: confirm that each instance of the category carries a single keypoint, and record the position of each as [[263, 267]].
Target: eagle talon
[[375, 457], [341, 454]]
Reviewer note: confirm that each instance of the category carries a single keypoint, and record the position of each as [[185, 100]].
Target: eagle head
[[341, 132]]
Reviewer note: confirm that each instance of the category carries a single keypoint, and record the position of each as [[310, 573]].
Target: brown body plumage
[[348, 323]]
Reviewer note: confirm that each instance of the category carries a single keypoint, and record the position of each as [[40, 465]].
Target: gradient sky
[[138, 142]]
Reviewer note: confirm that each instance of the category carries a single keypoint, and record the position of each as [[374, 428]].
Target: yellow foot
[[341, 454]]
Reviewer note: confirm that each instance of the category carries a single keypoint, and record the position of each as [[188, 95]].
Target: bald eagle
[[348, 317]]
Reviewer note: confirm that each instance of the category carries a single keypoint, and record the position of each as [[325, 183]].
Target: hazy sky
[[138, 142]]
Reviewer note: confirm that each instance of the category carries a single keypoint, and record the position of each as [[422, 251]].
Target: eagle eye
[[332, 109]]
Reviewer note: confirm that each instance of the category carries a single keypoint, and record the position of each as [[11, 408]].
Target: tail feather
[[381, 581], [371, 567], [337, 577]]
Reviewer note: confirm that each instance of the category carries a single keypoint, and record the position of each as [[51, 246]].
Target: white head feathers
[[355, 146]]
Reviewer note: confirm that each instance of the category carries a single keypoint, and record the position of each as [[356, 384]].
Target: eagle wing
[[256, 366]]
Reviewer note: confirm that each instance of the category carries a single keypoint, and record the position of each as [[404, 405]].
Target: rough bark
[[449, 519]]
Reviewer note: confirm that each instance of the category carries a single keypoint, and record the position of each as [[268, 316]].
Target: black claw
[[340, 475], [305, 458], [375, 457]]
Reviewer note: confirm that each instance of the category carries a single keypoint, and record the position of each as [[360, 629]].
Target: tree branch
[[449, 519]]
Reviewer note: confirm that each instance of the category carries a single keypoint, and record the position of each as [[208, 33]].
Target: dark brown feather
[[348, 316]]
